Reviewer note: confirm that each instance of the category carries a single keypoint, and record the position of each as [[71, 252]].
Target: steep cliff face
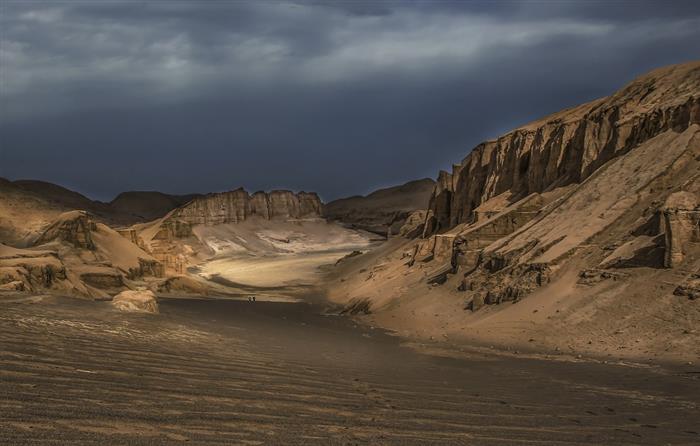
[[567, 147], [178, 237], [588, 219], [237, 206]]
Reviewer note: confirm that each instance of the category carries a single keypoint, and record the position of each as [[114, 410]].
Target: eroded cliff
[[587, 219], [237, 206], [567, 147]]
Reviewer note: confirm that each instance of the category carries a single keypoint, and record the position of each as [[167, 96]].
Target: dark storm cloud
[[338, 97]]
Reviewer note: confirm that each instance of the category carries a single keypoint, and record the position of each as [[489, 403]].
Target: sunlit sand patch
[[271, 271], [119, 329]]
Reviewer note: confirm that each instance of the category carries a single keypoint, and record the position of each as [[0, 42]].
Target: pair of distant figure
[[251, 298]]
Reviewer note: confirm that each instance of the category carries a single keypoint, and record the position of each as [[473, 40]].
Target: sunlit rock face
[[602, 188], [142, 301], [566, 147], [237, 206], [74, 227]]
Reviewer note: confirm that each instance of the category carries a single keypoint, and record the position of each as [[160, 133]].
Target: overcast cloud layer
[[338, 98]]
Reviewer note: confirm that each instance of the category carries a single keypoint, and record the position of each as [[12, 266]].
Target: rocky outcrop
[[681, 225], [182, 285], [237, 206], [690, 288], [164, 238], [520, 207], [28, 207], [567, 147], [103, 278], [171, 229], [469, 243], [143, 301], [412, 226], [42, 271], [147, 267], [73, 227]]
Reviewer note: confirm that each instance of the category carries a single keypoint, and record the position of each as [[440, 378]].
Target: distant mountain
[[383, 209], [148, 205]]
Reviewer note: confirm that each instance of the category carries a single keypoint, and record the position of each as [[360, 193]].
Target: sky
[[340, 98]]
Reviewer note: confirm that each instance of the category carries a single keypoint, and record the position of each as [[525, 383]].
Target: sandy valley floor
[[232, 372]]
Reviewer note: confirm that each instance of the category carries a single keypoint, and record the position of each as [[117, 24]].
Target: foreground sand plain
[[233, 372]]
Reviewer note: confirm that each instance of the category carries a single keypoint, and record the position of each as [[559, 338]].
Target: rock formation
[[543, 173], [23, 270], [681, 226], [567, 147], [77, 255], [27, 207], [139, 300], [588, 219], [412, 226], [172, 239], [74, 227], [237, 206]]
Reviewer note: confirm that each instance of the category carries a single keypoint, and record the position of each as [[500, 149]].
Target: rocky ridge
[[587, 219], [567, 147], [174, 241], [237, 206]]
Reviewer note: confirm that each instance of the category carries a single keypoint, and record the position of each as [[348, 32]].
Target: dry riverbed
[[233, 372]]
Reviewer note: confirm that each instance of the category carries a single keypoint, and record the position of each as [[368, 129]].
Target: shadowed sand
[[232, 372]]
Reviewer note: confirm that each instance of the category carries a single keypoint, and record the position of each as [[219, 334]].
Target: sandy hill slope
[[24, 213], [77, 255], [56, 240], [147, 205], [578, 232], [59, 195], [27, 206], [383, 211]]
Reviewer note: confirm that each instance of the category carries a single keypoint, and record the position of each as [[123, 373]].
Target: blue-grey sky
[[334, 97]]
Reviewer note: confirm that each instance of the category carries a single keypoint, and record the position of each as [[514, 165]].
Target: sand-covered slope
[[578, 232], [28, 206], [77, 255], [383, 211], [23, 213]]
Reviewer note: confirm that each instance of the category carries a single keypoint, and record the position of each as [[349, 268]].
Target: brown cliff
[[173, 240], [588, 219], [237, 206], [567, 147]]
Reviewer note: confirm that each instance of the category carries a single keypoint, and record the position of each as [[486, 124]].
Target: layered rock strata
[[73, 227], [237, 206], [516, 208], [164, 239], [567, 147]]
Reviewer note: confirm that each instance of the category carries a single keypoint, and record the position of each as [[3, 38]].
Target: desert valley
[[564, 255], [350, 222]]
